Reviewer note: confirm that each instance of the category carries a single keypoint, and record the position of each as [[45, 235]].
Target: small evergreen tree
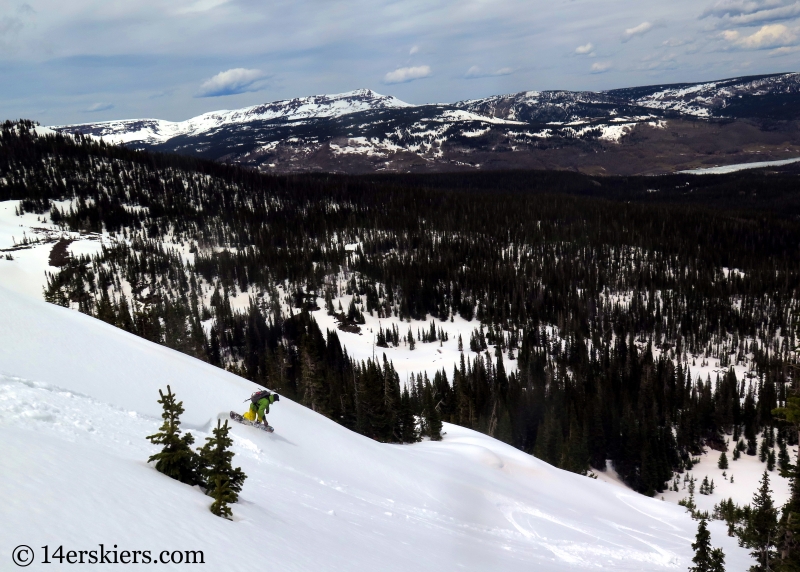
[[215, 464], [706, 559], [784, 461], [176, 459], [761, 531], [408, 424], [789, 529], [433, 421], [723, 461], [223, 496]]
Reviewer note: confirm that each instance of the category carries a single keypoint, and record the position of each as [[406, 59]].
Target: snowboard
[[236, 417]]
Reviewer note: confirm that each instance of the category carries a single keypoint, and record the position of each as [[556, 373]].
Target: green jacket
[[262, 407]]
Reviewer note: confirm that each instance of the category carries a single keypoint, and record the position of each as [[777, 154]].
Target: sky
[[91, 60]]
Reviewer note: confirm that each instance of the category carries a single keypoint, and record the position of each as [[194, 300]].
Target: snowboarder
[[259, 406]]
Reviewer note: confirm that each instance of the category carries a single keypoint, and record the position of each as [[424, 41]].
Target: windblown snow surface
[[78, 397]]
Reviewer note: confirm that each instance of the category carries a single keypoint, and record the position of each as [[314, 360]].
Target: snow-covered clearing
[[425, 357], [24, 271], [78, 397], [739, 167], [746, 473]]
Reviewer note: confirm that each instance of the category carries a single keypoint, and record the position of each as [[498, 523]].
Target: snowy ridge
[[301, 108], [363, 131], [554, 107], [712, 98], [73, 448]]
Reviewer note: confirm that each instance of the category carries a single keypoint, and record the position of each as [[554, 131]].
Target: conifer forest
[[606, 293]]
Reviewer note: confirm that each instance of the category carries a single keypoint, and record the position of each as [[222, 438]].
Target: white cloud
[[600, 67], [639, 30], [100, 107], [200, 6], [11, 26], [403, 75], [774, 15], [413, 50], [723, 8], [476, 72], [784, 51], [585, 49], [675, 42], [232, 81], [752, 12], [770, 36]]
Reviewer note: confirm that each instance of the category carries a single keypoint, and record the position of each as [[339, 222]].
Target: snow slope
[[78, 397]]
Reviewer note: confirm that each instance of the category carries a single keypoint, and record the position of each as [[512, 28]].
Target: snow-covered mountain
[[552, 107], [154, 131], [770, 96], [78, 397], [752, 96], [676, 128]]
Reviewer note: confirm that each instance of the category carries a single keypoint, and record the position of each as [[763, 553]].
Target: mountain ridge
[[364, 131]]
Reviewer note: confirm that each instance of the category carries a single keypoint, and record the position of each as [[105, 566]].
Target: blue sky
[[91, 60]]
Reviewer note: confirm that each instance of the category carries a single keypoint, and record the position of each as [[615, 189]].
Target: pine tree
[[433, 419], [706, 559], [176, 459], [760, 534], [784, 461], [408, 424], [723, 461], [789, 529], [223, 496], [310, 385], [215, 464]]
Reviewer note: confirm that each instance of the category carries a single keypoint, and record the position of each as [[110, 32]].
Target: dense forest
[[606, 293]]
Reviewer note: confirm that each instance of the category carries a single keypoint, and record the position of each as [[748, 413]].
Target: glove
[[277, 397]]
